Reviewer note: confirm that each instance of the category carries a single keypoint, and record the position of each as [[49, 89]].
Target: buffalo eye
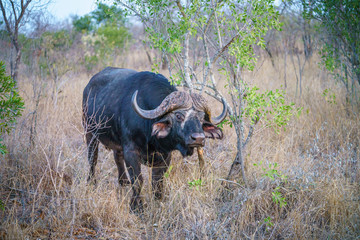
[[179, 117]]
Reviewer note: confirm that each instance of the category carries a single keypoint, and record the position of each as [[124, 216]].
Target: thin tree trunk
[[270, 55], [16, 65], [186, 62], [285, 56], [238, 164]]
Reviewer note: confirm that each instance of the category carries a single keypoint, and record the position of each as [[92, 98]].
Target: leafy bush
[[104, 35], [11, 104], [83, 24]]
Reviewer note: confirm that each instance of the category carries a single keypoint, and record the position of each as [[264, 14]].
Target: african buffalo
[[142, 118]]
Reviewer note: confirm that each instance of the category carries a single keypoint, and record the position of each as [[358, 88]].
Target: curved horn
[[173, 101], [222, 116], [201, 104]]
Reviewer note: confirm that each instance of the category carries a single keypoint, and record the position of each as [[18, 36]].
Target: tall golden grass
[[45, 194]]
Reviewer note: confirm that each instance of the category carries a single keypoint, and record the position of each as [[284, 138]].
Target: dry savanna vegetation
[[45, 193], [303, 181]]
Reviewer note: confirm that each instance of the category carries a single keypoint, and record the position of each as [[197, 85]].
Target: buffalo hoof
[[158, 195], [92, 181], [124, 182], [137, 206]]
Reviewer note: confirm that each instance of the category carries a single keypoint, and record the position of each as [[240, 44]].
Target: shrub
[[11, 104]]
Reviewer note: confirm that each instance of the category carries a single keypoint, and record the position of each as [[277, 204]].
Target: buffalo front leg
[[93, 149], [132, 158], [158, 170], [120, 163]]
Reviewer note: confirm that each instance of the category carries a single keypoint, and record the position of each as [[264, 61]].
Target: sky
[[63, 9]]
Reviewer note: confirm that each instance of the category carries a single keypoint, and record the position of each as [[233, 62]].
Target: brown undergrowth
[[44, 194]]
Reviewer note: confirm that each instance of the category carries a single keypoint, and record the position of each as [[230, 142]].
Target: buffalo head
[[183, 120]]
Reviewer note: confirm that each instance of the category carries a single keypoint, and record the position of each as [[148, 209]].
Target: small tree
[[82, 24], [340, 26], [105, 34], [53, 60], [15, 13], [11, 104], [200, 38]]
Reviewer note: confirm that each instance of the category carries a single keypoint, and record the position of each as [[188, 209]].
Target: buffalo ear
[[211, 131], [161, 129]]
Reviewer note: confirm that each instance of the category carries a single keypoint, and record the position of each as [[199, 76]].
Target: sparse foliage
[[272, 173]]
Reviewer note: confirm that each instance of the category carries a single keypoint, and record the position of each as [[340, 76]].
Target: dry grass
[[45, 195]]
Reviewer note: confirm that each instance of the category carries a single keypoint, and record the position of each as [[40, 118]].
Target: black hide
[[109, 118]]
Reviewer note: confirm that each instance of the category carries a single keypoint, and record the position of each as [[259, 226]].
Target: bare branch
[[218, 96], [186, 61], [228, 181], [168, 64], [250, 134], [218, 29], [224, 48], [208, 65], [144, 19], [22, 12], [211, 15], [194, 75], [208, 21], [14, 11], [181, 8], [186, 51], [8, 27]]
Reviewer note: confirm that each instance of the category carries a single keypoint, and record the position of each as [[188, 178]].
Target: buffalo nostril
[[198, 137]]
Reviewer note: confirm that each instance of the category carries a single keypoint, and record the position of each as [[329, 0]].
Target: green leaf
[[11, 104]]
